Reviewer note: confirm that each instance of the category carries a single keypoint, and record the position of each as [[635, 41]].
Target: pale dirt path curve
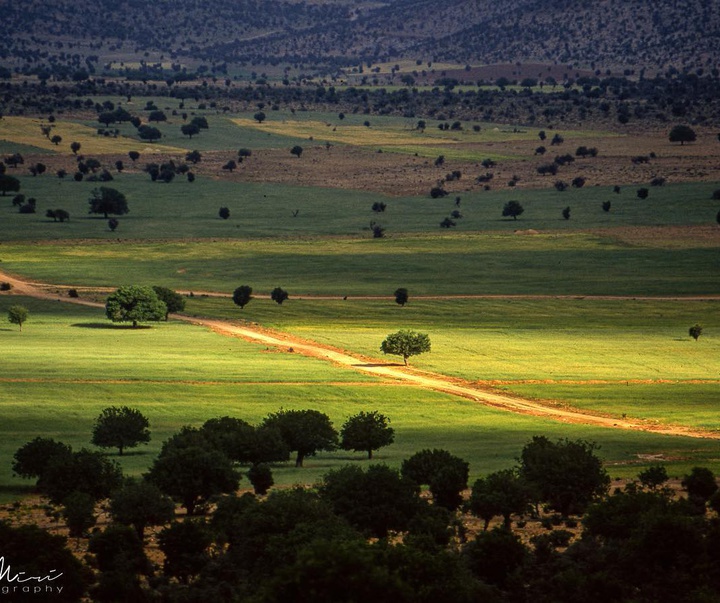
[[389, 371]]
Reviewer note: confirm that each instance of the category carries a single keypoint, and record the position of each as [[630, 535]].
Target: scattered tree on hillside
[[566, 213], [9, 184], [401, 296], [189, 130], [653, 477], [303, 431], [120, 427], [149, 133], [513, 209], [695, 331], [366, 431], [113, 223], [75, 147], [242, 295], [405, 343], [193, 157], [157, 116], [224, 213], [259, 117], [606, 205], [279, 295], [105, 200], [56, 140], [230, 165], [134, 304], [643, 193], [174, 302], [682, 134], [18, 315], [297, 150], [134, 156]]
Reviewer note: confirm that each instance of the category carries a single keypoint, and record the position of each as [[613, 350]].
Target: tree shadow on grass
[[17, 490], [109, 325], [374, 364]]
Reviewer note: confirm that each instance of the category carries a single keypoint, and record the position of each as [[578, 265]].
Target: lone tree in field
[[695, 331], [189, 130], [512, 208], [279, 295], [17, 315], [297, 150], [643, 193], [303, 431], [106, 200], [366, 431], [120, 427], [134, 304], [259, 117], [242, 295], [224, 213], [405, 343], [174, 302], [682, 134], [401, 296]]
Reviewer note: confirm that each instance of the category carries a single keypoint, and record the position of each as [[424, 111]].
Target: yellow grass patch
[[410, 66], [26, 130]]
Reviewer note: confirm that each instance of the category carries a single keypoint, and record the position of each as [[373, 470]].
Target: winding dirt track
[[385, 370]]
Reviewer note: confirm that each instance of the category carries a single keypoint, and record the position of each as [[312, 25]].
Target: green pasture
[[511, 339], [65, 374], [451, 264], [680, 403], [181, 210]]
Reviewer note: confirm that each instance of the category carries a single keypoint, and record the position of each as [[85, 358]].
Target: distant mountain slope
[[606, 33]]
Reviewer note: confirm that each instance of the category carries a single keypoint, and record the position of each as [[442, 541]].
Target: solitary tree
[[279, 295], [512, 208], [174, 302], [193, 156], [304, 431], [189, 130], [75, 147], [405, 343], [566, 213], [682, 134], [17, 315], [401, 296], [297, 150], [149, 133], [134, 156], [106, 200], [134, 304], [120, 427], [695, 331], [56, 139], [242, 295], [643, 193], [224, 213], [8, 184], [366, 431], [259, 117], [157, 116]]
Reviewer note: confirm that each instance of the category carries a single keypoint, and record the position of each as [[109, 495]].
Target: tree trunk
[[299, 459], [120, 449], [405, 360], [369, 454]]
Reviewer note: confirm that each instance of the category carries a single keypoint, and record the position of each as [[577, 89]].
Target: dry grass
[[26, 130]]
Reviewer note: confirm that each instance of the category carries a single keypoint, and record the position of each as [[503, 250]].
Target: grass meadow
[[629, 356], [69, 363]]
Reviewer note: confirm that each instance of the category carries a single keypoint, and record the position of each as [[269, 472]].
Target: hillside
[[612, 34]]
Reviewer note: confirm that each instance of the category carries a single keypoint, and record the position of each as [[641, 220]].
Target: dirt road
[[386, 370]]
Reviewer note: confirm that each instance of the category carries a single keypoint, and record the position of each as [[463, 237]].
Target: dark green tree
[[192, 475], [83, 471], [18, 315], [193, 157], [185, 545], [375, 501], [512, 209], [643, 193], [224, 213], [279, 295], [500, 493], [174, 302], [366, 431], [695, 331], [445, 474], [8, 184], [118, 548], [75, 147], [261, 478], [653, 477], [79, 513], [139, 503], [242, 295], [567, 475], [134, 304], [682, 134], [106, 200], [405, 343], [401, 296], [259, 117], [149, 133], [31, 459], [493, 556], [700, 483], [120, 427], [157, 116], [297, 150], [189, 130], [303, 431]]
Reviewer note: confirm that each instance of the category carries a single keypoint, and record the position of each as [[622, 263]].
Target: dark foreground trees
[[303, 431], [366, 431], [174, 302]]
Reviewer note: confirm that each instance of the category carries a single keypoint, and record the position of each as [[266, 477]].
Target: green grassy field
[[60, 375]]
